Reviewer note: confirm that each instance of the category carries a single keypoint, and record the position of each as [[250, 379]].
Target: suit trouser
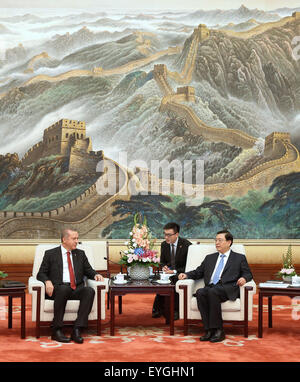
[[161, 304], [63, 293], [209, 301]]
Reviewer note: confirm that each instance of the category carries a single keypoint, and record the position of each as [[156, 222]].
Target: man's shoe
[[57, 335], [156, 314], [76, 336], [218, 336], [207, 336]]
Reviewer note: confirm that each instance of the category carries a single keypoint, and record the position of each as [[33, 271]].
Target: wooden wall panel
[[261, 272]]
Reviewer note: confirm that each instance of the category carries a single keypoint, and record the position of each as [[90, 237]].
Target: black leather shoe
[[207, 336], [76, 336], [156, 314], [218, 336], [57, 335]]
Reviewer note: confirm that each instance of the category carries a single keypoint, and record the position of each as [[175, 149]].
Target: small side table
[[139, 287], [12, 292], [269, 292]]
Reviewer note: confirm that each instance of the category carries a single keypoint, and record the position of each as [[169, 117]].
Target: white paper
[[271, 285]]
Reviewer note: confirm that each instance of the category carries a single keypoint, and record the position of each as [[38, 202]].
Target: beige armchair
[[42, 308], [238, 312]]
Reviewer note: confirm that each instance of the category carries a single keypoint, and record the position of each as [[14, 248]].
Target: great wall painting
[[78, 88]]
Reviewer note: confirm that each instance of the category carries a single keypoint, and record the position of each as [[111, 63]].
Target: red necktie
[[71, 271]]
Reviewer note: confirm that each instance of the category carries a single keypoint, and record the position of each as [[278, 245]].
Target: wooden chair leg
[[246, 296], [99, 289], [38, 312], [185, 319]]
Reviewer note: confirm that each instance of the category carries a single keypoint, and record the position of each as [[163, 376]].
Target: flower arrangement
[[139, 247], [288, 269]]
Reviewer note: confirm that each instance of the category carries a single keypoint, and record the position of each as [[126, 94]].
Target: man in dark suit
[[173, 255], [62, 270], [223, 272]]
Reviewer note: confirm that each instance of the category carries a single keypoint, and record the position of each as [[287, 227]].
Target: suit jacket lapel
[[75, 261], [214, 258], [60, 263], [229, 261], [179, 247]]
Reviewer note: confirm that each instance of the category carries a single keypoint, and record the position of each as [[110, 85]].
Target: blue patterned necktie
[[219, 269]]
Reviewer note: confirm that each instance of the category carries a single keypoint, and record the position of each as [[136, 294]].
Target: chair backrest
[[41, 248], [197, 253], [100, 250]]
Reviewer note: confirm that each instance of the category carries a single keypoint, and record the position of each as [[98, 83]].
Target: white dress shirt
[[66, 273], [217, 263]]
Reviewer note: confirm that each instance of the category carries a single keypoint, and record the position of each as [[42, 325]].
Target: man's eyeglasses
[[220, 240], [169, 234]]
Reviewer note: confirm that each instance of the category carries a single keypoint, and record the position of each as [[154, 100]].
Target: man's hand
[[99, 277], [241, 281], [49, 287], [166, 269], [182, 276]]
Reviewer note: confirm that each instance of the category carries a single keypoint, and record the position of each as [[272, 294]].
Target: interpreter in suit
[[223, 273], [62, 270], [173, 254]]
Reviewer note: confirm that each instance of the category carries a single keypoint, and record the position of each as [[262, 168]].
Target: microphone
[[113, 262]]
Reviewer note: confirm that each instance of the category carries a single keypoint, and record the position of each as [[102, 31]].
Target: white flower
[[133, 240], [130, 233], [135, 245], [126, 243]]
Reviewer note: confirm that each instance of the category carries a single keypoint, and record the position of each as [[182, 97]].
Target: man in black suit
[[223, 272], [62, 270], [173, 255]]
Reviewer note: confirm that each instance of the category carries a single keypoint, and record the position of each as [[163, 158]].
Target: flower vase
[[139, 272], [287, 279]]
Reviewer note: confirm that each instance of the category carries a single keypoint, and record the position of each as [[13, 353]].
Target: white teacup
[[119, 278], [164, 277], [296, 279]]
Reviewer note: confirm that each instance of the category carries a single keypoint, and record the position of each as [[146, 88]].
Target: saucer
[[120, 282], [163, 281]]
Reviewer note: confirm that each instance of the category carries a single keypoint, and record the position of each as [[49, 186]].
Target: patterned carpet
[[139, 338]]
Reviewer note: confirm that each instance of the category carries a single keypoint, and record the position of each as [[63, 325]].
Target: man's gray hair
[[65, 233]]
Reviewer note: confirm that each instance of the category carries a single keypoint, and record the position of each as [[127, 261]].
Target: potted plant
[[3, 275]]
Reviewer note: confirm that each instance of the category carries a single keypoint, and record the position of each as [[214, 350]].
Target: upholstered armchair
[[42, 308], [238, 312]]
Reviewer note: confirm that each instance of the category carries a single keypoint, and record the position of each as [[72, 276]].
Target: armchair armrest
[[188, 282], [33, 282], [185, 290], [94, 283], [247, 291], [251, 287]]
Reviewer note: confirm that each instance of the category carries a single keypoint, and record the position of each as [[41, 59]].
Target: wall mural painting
[[111, 112]]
